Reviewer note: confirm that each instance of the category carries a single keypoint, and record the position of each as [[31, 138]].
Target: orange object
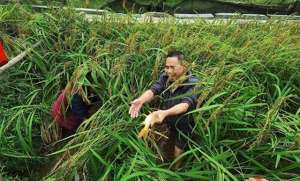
[[3, 57]]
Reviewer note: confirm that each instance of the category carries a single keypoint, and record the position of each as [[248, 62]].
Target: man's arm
[[188, 103], [138, 103], [177, 109], [173, 111], [147, 96]]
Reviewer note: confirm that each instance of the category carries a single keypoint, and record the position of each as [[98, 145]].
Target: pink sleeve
[[66, 120], [56, 107]]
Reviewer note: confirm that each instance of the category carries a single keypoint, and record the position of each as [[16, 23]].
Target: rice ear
[[145, 130], [143, 133]]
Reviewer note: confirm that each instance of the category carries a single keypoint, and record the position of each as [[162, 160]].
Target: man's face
[[174, 68]]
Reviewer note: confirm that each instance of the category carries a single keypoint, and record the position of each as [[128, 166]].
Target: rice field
[[247, 119]]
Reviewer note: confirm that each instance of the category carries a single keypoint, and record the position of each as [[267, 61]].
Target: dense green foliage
[[171, 3], [248, 115], [181, 6]]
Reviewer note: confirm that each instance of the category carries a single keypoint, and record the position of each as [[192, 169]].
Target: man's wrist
[[142, 101], [166, 112]]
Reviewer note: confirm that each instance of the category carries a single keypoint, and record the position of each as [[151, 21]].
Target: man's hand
[[135, 107], [138, 103], [156, 117], [159, 116]]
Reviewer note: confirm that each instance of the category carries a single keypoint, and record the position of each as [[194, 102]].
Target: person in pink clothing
[[69, 114], [66, 120]]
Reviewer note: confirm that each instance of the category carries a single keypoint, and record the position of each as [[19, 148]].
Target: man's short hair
[[175, 53]]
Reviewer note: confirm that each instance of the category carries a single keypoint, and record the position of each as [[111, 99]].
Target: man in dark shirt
[[177, 89]]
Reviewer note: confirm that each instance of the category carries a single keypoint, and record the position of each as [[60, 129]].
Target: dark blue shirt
[[184, 93], [79, 108]]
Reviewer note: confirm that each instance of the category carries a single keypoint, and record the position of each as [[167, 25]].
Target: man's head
[[175, 67]]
